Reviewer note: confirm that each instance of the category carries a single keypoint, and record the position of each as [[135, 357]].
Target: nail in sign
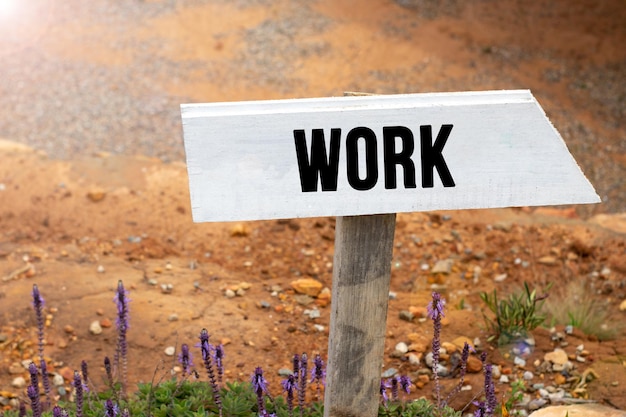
[[376, 154]]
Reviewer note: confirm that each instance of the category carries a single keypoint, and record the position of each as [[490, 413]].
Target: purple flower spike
[[85, 374], [304, 366], [435, 313], [405, 383], [394, 388], [58, 412], [289, 386], [111, 409], [383, 391], [219, 362], [259, 386], [109, 371], [185, 358], [34, 375], [436, 306], [33, 394], [78, 391], [121, 299], [38, 304], [206, 348], [318, 374]]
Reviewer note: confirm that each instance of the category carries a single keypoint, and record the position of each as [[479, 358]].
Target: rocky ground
[[85, 89]]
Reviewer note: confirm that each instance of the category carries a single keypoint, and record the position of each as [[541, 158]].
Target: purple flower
[[78, 390], [435, 312], [405, 383], [302, 382], [219, 362], [59, 412], [463, 370], [318, 374], [206, 348], [436, 306], [289, 386], [45, 381], [185, 358], [109, 371], [490, 394], [394, 388], [384, 384], [111, 409], [121, 299], [38, 304], [259, 386], [85, 374], [296, 366], [33, 394]]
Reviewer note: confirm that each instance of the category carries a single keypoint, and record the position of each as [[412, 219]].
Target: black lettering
[[352, 158], [432, 156], [320, 164], [393, 158]]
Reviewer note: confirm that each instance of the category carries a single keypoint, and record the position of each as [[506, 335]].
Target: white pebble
[[18, 382], [229, 293], [170, 350], [504, 379], [519, 362], [402, 347], [95, 328], [528, 375], [100, 269], [57, 380]]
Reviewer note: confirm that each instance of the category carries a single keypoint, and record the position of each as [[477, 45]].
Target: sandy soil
[[79, 210]]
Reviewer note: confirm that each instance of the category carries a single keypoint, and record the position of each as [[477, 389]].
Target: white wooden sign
[[376, 154]]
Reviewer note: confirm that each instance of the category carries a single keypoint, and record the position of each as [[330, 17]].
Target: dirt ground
[[76, 222]]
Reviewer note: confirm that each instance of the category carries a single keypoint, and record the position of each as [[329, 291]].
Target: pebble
[[285, 372], [557, 356], [537, 404], [307, 286], [100, 269], [528, 375], [443, 267], [57, 380], [170, 350], [167, 288], [172, 317], [19, 382], [500, 277], [402, 347], [622, 306], [406, 315], [229, 293], [587, 410], [393, 295], [313, 313], [504, 379], [319, 328], [389, 373], [519, 362], [95, 327], [414, 359]]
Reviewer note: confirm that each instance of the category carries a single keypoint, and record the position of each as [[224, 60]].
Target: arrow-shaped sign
[[376, 154]]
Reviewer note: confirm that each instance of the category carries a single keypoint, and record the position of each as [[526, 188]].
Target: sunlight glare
[[7, 7]]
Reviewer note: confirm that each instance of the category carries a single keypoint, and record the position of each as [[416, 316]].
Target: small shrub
[[519, 314]]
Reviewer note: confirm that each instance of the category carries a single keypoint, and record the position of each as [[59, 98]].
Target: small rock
[[622, 306], [285, 372], [264, 304], [474, 365], [402, 347], [68, 329], [313, 313], [586, 410], [389, 373], [100, 269], [106, 323], [167, 288], [319, 328], [537, 404], [558, 356], [500, 277], [19, 382], [406, 315], [547, 260], [605, 272], [95, 195], [414, 359], [57, 380], [443, 267], [528, 375], [170, 350], [229, 293], [519, 362], [559, 379], [504, 379], [308, 286], [95, 327], [393, 295]]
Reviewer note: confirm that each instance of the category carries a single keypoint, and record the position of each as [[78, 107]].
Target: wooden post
[[360, 294]]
